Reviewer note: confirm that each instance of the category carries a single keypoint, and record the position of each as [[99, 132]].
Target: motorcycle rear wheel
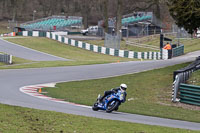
[[113, 107]]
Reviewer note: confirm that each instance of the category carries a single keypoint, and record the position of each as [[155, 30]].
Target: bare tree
[[85, 12], [105, 17], [119, 16]]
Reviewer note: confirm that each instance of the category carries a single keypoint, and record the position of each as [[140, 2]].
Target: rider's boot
[[98, 99]]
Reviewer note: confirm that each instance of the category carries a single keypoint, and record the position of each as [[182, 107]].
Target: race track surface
[[12, 80], [26, 53]]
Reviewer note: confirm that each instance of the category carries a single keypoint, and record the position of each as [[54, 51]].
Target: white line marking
[[32, 90]]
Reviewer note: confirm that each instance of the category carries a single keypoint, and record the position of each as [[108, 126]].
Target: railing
[[142, 45], [190, 94], [6, 58], [177, 51], [181, 76]]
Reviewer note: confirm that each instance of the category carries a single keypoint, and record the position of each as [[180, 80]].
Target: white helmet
[[123, 86]]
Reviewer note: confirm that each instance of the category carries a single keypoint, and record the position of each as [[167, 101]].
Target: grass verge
[[195, 78], [122, 46], [78, 56], [151, 91], [17, 119]]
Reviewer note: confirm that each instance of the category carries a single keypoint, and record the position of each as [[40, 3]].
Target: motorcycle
[[109, 103]]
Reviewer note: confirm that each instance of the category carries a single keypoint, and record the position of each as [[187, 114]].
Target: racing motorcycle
[[109, 103]]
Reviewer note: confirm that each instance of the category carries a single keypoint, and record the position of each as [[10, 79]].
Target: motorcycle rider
[[122, 87]]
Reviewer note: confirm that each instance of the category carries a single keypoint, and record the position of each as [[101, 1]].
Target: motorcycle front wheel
[[113, 105], [95, 107]]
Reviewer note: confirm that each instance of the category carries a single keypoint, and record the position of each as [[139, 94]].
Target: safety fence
[[99, 49], [180, 78], [6, 58], [190, 94]]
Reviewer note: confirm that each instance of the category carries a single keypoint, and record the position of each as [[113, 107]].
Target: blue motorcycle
[[109, 103]]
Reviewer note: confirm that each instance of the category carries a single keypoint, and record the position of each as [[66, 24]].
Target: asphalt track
[[26, 53], [12, 80]]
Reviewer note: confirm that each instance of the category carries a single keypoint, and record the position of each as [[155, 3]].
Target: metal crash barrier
[[6, 58], [179, 90]]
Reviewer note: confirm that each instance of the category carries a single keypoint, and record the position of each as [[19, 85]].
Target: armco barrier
[[190, 94], [6, 58], [181, 76], [99, 49]]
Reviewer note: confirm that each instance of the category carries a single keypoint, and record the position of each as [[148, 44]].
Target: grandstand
[[52, 23], [134, 19], [137, 24]]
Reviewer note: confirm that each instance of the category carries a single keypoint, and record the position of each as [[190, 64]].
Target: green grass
[[195, 78], [191, 45], [15, 119], [151, 91], [61, 50], [78, 56], [122, 46]]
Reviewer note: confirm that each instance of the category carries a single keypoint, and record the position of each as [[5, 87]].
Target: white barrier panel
[[87, 46], [121, 53], [145, 55], [103, 50], [165, 54], [72, 42], [150, 55], [48, 35], [53, 36], [10, 61], [154, 56], [61, 33], [25, 33], [36, 33], [60, 38], [112, 51], [95, 48], [159, 55], [66, 40], [80, 44], [130, 54], [139, 55]]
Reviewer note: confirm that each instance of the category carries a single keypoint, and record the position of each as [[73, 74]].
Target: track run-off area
[[13, 79]]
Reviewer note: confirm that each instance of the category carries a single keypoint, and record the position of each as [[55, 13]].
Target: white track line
[[32, 90]]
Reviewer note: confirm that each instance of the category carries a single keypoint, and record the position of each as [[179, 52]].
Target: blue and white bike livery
[[110, 102]]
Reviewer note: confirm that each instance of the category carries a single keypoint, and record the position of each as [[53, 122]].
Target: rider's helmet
[[123, 87]]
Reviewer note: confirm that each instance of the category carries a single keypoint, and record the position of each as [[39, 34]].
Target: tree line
[[90, 10], [184, 12]]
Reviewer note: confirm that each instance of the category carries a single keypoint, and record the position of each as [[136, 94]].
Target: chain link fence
[[112, 41], [181, 33]]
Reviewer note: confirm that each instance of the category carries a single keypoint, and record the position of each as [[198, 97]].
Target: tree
[[85, 13], [105, 17], [119, 16], [186, 13]]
